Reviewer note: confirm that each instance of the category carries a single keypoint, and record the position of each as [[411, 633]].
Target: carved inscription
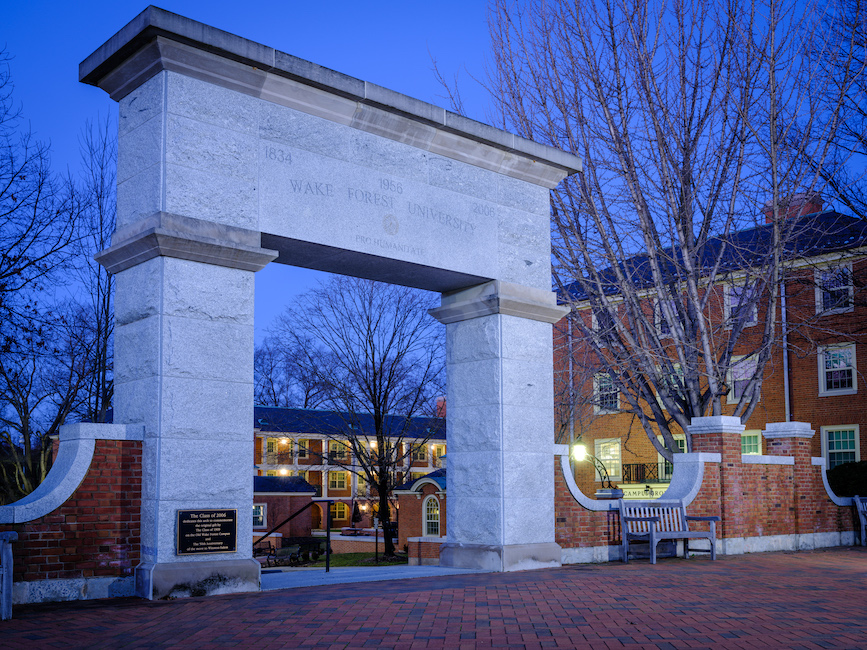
[[276, 154], [389, 245], [443, 218], [371, 198], [311, 188]]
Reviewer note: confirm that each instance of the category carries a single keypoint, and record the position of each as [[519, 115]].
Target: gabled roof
[[281, 484], [332, 423], [811, 235], [438, 476]]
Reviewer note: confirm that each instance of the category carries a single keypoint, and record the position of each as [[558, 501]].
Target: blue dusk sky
[[390, 43]]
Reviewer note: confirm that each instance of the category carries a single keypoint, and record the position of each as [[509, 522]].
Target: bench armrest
[[689, 518]]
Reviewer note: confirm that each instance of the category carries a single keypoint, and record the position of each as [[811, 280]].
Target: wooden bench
[[861, 509], [290, 555], [654, 521]]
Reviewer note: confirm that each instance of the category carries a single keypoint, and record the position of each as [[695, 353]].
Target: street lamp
[[608, 491]]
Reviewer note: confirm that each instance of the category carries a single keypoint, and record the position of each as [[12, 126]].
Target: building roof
[[438, 476], [281, 484], [811, 235], [334, 423]]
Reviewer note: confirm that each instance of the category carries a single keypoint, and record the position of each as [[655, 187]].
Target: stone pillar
[[183, 344], [500, 427]]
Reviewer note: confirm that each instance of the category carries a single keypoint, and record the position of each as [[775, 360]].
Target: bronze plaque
[[207, 531]]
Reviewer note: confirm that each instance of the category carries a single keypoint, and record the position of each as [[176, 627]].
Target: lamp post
[[607, 491]]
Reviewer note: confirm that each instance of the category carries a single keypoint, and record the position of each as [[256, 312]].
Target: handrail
[[283, 523], [327, 529]]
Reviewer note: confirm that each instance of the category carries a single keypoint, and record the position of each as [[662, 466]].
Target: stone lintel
[[715, 424], [508, 557], [777, 430], [180, 579], [188, 239], [157, 40], [497, 297]]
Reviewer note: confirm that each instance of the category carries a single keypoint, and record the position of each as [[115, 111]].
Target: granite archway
[[233, 155]]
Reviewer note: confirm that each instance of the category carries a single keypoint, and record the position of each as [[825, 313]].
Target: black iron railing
[[646, 473]]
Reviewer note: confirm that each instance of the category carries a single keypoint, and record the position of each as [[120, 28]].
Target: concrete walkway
[[815, 599]]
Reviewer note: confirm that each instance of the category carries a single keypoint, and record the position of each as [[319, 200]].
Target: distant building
[[310, 444]]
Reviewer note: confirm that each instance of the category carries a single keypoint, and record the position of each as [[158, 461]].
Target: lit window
[[751, 442], [339, 510], [271, 472], [271, 445], [259, 519], [741, 304], [834, 289], [840, 445], [337, 451], [419, 453], [362, 484], [741, 371], [837, 370], [431, 517], [303, 446], [608, 453], [414, 476], [336, 480], [605, 393]]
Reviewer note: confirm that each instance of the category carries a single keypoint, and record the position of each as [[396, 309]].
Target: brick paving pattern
[[815, 599]]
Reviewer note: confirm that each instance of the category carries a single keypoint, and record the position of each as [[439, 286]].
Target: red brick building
[[812, 375]]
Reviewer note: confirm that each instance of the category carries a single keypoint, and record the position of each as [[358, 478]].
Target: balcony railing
[[279, 458], [646, 473]]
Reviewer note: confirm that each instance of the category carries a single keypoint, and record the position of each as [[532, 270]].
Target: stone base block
[[513, 557], [208, 578]]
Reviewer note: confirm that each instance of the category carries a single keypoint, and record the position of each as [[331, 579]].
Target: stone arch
[[232, 155]]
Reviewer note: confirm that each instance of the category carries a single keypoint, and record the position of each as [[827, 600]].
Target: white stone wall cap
[[756, 459], [497, 297], [429, 540], [157, 39], [715, 424], [776, 430], [697, 457], [99, 431]]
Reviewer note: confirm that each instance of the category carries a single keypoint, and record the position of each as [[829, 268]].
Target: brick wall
[[753, 500], [96, 531]]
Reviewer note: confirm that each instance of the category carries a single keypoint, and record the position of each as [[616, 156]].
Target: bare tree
[[381, 356], [284, 376], [685, 116], [846, 172], [38, 211], [95, 228], [42, 375]]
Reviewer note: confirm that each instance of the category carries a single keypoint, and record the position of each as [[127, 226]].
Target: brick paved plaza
[[812, 599]]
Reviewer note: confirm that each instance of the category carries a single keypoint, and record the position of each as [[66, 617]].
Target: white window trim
[[660, 459], [752, 432], [821, 368], [336, 487], [304, 451], [824, 435], [597, 408], [754, 317], [817, 275], [730, 397], [596, 445], [264, 507], [424, 519]]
